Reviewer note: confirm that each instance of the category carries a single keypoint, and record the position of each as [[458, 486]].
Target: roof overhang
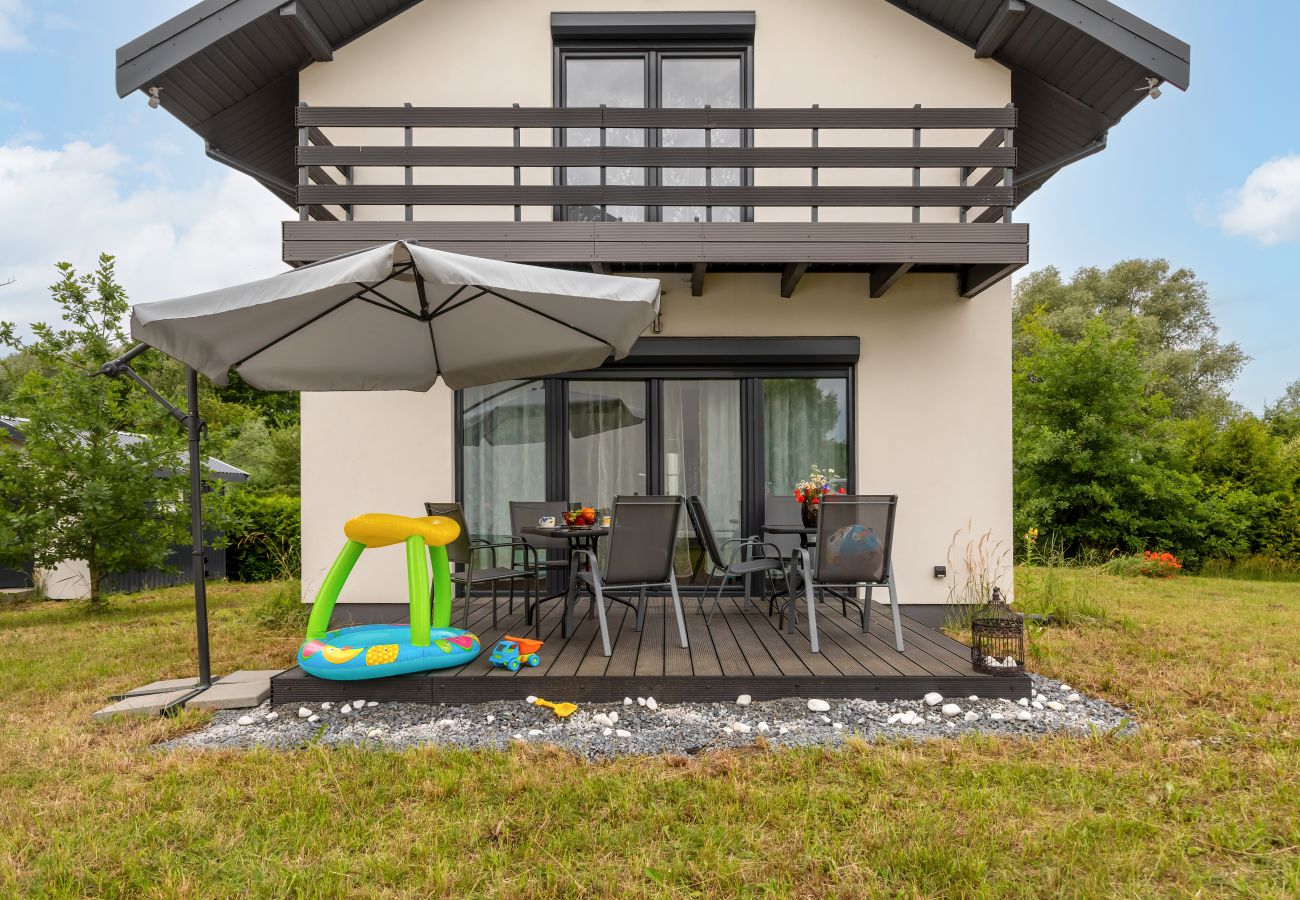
[[229, 70]]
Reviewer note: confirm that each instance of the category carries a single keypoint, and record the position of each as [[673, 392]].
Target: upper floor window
[[686, 74]]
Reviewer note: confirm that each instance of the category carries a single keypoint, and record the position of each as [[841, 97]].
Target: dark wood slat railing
[[981, 170]]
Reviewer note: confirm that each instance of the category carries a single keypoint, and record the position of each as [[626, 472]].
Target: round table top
[[566, 531], [790, 529]]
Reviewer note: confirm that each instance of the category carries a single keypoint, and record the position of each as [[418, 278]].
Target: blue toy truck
[[513, 652]]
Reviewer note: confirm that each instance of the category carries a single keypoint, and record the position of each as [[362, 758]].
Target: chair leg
[[717, 599], [512, 596], [898, 619], [866, 612], [708, 589], [494, 604], [677, 608], [640, 609], [598, 597], [812, 608], [465, 620]]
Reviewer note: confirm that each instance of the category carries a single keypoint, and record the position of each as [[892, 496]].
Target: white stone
[[971, 716], [1065, 688], [826, 720], [613, 717], [1074, 698], [490, 718], [1023, 702], [313, 719], [1056, 705], [245, 720], [603, 719], [740, 727], [623, 733], [972, 697], [640, 701], [374, 733], [534, 732], [303, 712], [783, 730], [651, 703], [934, 698], [762, 726], [1004, 701], [326, 705], [345, 708], [838, 726], [996, 717], [607, 732], [272, 716], [446, 723], [816, 705], [530, 700], [627, 701], [930, 719], [951, 709], [518, 736], [1010, 662], [992, 663], [745, 700], [1024, 715], [357, 704], [894, 719], [1037, 704], [371, 704]]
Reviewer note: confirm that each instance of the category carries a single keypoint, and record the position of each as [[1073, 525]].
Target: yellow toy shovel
[[563, 710]]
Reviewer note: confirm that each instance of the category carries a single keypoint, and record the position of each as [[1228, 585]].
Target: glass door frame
[[752, 462]]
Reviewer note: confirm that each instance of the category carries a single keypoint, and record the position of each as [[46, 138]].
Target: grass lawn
[[1204, 800]]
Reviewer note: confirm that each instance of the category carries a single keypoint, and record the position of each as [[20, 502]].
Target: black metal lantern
[[997, 639]]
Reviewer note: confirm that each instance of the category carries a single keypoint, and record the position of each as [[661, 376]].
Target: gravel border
[[603, 730]]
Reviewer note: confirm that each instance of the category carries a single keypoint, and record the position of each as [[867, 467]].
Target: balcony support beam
[[972, 280], [790, 277], [307, 32], [883, 277]]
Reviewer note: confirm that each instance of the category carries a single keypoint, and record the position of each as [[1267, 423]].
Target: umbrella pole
[[193, 427]]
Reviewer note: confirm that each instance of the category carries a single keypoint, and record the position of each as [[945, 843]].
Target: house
[[827, 189], [70, 580]]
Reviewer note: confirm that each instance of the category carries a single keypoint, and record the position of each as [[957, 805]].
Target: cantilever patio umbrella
[[394, 317]]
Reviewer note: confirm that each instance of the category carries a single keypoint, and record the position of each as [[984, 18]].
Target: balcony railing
[[344, 187]]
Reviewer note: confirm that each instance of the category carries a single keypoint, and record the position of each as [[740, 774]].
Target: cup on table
[[546, 522], [606, 521]]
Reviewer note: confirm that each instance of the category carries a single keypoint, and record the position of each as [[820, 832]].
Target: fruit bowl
[[580, 518]]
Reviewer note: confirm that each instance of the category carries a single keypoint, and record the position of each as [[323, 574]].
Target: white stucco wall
[[933, 385]]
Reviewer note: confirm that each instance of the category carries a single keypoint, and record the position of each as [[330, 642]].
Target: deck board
[[741, 651]]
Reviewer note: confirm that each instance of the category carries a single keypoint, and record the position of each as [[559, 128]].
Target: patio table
[[807, 539], [579, 539]]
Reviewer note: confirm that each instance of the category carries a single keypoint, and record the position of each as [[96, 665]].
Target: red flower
[[798, 496], [842, 491]]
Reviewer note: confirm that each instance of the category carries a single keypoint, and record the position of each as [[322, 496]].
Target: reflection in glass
[[612, 82], [607, 441], [503, 428], [702, 458], [805, 424], [693, 83]]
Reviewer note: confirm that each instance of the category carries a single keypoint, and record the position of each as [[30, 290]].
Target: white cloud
[[1266, 207], [71, 203], [14, 16]]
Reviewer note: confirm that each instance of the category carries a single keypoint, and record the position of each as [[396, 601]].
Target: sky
[[1208, 179]]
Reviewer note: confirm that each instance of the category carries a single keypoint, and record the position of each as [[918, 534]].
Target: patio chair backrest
[[704, 531], [855, 535], [641, 541], [458, 551], [782, 509], [525, 513]]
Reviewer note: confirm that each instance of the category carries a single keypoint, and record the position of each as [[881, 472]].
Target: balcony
[[933, 192]]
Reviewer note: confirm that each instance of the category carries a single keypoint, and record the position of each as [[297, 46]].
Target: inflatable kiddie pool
[[376, 651]]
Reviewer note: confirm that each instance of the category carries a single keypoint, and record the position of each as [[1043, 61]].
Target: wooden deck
[[741, 652]]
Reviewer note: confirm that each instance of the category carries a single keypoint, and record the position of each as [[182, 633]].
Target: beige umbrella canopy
[[398, 317]]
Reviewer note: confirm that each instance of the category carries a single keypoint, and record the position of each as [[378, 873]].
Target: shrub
[[265, 535]]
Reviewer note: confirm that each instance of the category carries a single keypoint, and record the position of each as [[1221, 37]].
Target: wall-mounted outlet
[[940, 571]]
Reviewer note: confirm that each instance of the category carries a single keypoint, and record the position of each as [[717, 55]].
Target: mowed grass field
[[1203, 801]]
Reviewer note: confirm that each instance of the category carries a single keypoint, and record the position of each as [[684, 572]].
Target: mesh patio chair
[[462, 552], [543, 556], [640, 556], [743, 561], [855, 537]]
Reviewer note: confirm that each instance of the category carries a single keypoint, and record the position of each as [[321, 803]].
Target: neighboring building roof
[[219, 469], [228, 69]]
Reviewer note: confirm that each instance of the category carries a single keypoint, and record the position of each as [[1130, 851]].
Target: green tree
[[73, 488], [1283, 415], [1166, 314], [1092, 449]]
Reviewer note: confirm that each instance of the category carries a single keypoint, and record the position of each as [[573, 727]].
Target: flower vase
[[808, 509]]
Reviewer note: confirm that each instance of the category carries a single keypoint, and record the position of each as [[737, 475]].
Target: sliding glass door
[[732, 438]]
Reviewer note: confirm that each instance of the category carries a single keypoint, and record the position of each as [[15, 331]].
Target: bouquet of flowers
[[815, 485]]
